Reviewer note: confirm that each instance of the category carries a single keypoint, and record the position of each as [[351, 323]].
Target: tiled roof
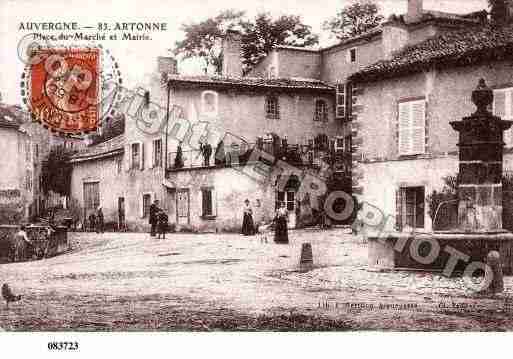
[[249, 82], [459, 48], [112, 147]]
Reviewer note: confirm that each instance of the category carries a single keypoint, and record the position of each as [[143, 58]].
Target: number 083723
[[63, 346]]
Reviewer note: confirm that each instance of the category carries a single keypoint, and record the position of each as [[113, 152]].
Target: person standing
[[207, 152], [162, 219], [248, 226], [100, 221], [281, 234], [20, 245], [92, 222], [154, 210]]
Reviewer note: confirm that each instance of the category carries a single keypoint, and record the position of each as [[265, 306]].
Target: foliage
[[203, 39], [448, 194], [56, 172], [355, 19], [261, 35]]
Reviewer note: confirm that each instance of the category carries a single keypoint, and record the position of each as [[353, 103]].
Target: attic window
[[352, 55]]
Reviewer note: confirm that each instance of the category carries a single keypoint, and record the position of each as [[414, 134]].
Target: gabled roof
[[249, 82], [460, 48], [112, 147]]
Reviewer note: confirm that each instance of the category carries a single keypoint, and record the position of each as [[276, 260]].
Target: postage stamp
[[64, 89]]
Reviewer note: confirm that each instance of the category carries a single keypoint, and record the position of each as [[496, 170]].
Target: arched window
[[272, 107], [209, 103], [321, 110]]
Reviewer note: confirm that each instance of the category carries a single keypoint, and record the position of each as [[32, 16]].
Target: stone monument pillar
[[480, 168]]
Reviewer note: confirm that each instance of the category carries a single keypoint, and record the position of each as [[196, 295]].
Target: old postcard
[[248, 166]]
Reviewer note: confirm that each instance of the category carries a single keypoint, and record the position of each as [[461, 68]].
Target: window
[[321, 111], [27, 150], [36, 151], [91, 195], [119, 165], [272, 107], [352, 55], [146, 99], [503, 107], [146, 203], [341, 101], [410, 207], [207, 202], [209, 103], [136, 156], [157, 153], [412, 127], [339, 144]]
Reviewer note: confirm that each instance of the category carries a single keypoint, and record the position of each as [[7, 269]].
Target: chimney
[[232, 62], [502, 11], [414, 13], [166, 65]]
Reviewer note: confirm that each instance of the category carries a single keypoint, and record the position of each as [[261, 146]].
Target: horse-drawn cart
[[47, 241]]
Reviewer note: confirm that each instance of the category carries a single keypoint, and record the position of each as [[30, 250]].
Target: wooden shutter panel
[[418, 130], [152, 154], [399, 210], [141, 156], [128, 157], [404, 140]]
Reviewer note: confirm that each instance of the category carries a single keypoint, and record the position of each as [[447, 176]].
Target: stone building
[[306, 98], [405, 142]]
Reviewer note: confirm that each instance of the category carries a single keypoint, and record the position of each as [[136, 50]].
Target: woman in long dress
[[248, 226], [281, 234]]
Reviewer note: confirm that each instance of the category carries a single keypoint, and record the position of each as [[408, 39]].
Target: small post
[[306, 260], [493, 259]]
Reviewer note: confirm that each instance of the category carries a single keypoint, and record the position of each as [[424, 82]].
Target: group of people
[[158, 220], [97, 221], [280, 222]]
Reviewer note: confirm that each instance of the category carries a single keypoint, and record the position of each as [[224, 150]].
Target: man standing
[[154, 209]]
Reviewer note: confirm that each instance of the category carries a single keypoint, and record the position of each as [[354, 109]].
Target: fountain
[[479, 229]]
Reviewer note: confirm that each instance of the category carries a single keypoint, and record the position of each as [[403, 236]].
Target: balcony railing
[[235, 155]]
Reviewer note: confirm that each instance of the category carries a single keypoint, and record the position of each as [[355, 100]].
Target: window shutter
[[152, 154], [128, 157], [404, 128], [141, 156], [418, 131], [398, 210], [141, 211], [213, 195]]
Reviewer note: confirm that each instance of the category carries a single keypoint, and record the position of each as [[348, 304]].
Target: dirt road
[[230, 282]]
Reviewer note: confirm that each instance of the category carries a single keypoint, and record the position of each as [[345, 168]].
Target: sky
[[138, 58]]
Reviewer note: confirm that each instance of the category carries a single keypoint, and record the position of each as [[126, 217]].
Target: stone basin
[[418, 251]]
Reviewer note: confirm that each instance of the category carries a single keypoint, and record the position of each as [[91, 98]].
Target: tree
[[261, 35], [56, 172], [354, 20], [202, 38]]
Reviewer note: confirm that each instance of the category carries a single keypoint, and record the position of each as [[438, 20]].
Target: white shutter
[[141, 208], [214, 202], [141, 156], [412, 127], [404, 128], [418, 137], [152, 154], [128, 157]]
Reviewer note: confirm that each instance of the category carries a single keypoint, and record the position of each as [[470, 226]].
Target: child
[[162, 219], [20, 245]]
